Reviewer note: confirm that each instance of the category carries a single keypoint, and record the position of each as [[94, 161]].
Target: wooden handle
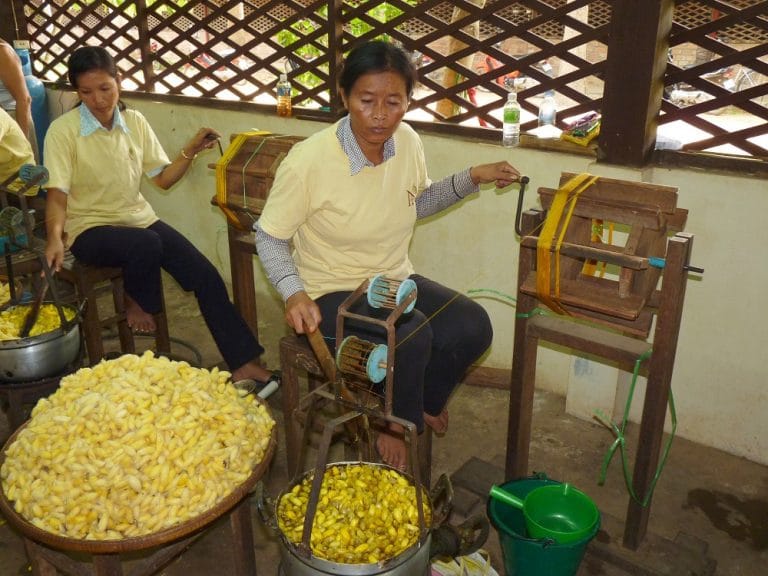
[[320, 348], [328, 364]]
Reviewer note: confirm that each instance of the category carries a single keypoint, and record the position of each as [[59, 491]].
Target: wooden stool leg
[[162, 337], [15, 409], [40, 566], [425, 456], [242, 539], [107, 565], [92, 324], [127, 344], [290, 393]]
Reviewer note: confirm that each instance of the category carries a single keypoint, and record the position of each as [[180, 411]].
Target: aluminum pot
[[414, 561], [42, 356]]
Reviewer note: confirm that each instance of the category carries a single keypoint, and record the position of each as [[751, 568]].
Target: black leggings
[[446, 332], [142, 252]]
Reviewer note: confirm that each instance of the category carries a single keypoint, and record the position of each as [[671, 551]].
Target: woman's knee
[[145, 245], [475, 325]]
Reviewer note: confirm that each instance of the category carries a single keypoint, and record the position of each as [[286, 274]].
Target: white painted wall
[[719, 376]]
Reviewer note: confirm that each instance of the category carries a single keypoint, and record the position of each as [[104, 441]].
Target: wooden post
[[635, 74], [659, 384]]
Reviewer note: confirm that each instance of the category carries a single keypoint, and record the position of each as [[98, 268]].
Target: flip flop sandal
[[262, 389]]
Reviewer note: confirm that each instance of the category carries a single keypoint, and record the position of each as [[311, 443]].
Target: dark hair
[[377, 56], [89, 58]]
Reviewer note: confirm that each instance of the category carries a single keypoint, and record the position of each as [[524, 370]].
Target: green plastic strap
[[620, 443]]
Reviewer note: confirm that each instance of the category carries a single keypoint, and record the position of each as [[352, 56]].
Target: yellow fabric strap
[[570, 191], [221, 173]]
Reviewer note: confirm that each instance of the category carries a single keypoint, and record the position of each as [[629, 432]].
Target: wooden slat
[[616, 347], [598, 294]]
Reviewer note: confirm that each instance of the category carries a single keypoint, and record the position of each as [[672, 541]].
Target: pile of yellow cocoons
[[133, 446], [48, 320]]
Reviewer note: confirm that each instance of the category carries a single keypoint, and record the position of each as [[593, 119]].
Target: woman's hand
[[54, 253], [301, 313], [502, 173], [204, 139]]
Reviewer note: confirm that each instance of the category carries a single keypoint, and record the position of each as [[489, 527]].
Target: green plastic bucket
[[524, 556]]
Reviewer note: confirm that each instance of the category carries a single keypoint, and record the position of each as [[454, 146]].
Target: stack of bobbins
[[363, 359]]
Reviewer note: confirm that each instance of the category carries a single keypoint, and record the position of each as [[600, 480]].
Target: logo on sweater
[[412, 197]]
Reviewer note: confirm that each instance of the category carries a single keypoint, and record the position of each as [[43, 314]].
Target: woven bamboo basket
[[137, 543]]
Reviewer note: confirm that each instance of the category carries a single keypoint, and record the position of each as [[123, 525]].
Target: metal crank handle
[[518, 216]]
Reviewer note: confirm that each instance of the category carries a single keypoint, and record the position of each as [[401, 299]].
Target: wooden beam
[[637, 58], [12, 27]]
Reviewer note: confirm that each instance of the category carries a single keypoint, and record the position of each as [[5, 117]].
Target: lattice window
[[469, 53], [716, 92]]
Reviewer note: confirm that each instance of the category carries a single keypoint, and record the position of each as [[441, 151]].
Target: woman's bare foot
[[138, 320], [390, 444], [252, 371], [439, 423]]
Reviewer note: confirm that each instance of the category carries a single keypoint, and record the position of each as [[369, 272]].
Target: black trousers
[[436, 343], [142, 252]]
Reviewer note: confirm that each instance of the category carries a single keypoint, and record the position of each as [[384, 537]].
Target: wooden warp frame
[[650, 212]]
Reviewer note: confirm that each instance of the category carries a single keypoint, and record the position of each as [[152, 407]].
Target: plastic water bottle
[[283, 96], [548, 110], [510, 132]]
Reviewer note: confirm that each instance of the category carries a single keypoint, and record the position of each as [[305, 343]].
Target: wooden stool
[[89, 282], [295, 355], [18, 394]]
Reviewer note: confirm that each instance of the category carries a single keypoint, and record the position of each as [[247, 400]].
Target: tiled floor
[[709, 513]]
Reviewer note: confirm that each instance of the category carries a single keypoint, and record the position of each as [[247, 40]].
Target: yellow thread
[[569, 191], [221, 174]]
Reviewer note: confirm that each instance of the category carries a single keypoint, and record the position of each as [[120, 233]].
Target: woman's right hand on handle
[[54, 253], [302, 313]]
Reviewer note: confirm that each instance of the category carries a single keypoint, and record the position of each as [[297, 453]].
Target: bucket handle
[[502, 495]]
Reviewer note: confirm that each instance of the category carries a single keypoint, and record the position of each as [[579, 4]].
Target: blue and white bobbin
[[388, 293], [363, 359]]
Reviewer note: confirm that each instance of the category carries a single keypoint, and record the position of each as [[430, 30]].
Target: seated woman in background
[[14, 95], [96, 155], [348, 198], [15, 149]]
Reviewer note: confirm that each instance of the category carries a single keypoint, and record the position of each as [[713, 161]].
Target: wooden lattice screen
[[469, 52], [719, 67]]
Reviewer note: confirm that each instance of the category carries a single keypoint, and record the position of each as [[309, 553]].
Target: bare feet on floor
[[253, 371], [138, 320], [390, 444], [439, 423]]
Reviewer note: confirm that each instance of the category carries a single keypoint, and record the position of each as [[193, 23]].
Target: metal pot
[[42, 356], [297, 561]]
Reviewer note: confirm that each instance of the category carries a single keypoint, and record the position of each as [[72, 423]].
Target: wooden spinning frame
[[349, 386], [566, 265]]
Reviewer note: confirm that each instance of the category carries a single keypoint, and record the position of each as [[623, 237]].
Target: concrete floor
[[709, 513]]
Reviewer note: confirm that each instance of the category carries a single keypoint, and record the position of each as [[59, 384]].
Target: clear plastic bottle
[[283, 96], [510, 132], [548, 109]]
